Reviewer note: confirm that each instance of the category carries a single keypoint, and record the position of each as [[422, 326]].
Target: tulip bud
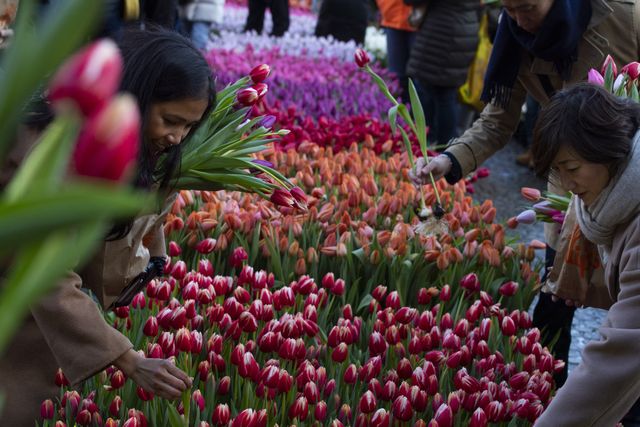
[[367, 402], [221, 415], [183, 340], [320, 413], [117, 379], [380, 418], [238, 256], [508, 289], [223, 385], [247, 96], [60, 379], [88, 79], [107, 145], [526, 217], [594, 77], [47, 409], [361, 57], [632, 70], [174, 249], [150, 328], [609, 62], [299, 409], [478, 419], [402, 409], [260, 73], [206, 246]]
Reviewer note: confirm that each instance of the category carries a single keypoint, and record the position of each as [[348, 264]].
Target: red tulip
[[340, 353], [259, 73], [392, 300], [281, 197], [89, 79], [247, 96], [632, 69], [108, 142], [183, 340], [299, 409], [221, 415], [150, 328], [117, 379], [508, 326], [47, 409], [402, 409], [179, 270], [174, 249], [362, 58], [60, 379], [367, 402], [478, 419], [223, 385], [206, 246], [114, 407], [338, 287], [350, 374], [238, 256], [205, 267], [445, 293], [143, 394], [508, 289], [380, 419]]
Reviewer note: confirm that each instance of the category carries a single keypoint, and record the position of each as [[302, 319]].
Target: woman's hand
[[158, 376], [438, 166]]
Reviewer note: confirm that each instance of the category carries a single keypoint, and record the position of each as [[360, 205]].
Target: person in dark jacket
[[279, 14], [444, 47], [344, 20]]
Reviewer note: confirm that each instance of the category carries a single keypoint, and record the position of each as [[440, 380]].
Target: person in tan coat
[[540, 47], [589, 141], [173, 85]]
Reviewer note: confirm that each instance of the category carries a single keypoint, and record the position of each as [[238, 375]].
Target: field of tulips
[[356, 310], [346, 314]]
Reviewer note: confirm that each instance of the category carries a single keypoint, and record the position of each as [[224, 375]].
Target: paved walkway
[[503, 186]]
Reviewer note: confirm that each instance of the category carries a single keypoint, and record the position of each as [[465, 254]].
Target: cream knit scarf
[[616, 205]]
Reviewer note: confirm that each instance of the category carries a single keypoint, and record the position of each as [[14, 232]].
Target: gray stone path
[[503, 186]]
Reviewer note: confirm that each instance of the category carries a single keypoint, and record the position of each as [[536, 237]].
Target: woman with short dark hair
[[588, 141]]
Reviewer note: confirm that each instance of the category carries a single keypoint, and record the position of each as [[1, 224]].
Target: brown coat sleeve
[[489, 133], [607, 382], [79, 337]]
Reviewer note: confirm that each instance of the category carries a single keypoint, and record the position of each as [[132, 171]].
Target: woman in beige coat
[[588, 141], [173, 85]]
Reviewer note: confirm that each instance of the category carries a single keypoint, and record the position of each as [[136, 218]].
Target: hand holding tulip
[[437, 166], [158, 376]]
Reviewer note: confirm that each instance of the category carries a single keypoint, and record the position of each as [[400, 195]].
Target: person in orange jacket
[[400, 36]]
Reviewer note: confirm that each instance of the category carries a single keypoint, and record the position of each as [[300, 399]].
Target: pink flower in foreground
[[608, 61], [108, 142], [632, 69], [594, 77], [88, 79]]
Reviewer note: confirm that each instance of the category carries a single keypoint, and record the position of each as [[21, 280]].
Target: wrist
[[127, 362]]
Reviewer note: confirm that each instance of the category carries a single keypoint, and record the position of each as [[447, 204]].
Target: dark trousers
[[440, 104], [554, 320], [279, 14], [398, 48]]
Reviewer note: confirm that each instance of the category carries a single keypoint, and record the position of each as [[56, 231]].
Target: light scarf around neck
[[616, 205]]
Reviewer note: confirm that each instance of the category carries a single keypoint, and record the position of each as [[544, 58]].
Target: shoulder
[[628, 241]]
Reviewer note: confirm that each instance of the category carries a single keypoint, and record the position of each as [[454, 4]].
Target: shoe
[[525, 159]]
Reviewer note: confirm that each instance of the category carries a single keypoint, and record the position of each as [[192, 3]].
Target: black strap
[[546, 85]]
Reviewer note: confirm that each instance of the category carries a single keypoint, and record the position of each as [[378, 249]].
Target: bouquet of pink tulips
[[547, 207]]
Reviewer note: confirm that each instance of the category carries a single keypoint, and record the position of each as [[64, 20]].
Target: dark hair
[[160, 66], [585, 118]]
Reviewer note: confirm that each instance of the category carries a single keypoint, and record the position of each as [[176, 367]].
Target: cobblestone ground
[[503, 186]]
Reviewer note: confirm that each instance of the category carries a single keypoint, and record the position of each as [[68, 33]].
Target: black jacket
[[446, 43]]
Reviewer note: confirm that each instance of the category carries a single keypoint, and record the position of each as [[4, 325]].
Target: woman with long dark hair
[[174, 89], [588, 141]]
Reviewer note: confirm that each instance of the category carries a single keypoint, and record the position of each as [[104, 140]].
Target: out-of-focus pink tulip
[[107, 145], [89, 79], [594, 77]]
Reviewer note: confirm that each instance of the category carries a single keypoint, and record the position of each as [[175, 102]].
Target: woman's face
[[168, 123], [582, 178]]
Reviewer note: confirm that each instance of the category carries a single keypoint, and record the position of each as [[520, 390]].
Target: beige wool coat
[[603, 388], [614, 30], [66, 328]]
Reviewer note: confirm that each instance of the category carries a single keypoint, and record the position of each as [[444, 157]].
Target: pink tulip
[[526, 217], [299, 409], [281, 197], [531, 194], [174, 249], [107, 145], [183, 340], [594, 77], [478, 419], [206, 246], [367, 402], [508, 289], [238, 256], [89, 79], [223, 385], [205, 267]]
